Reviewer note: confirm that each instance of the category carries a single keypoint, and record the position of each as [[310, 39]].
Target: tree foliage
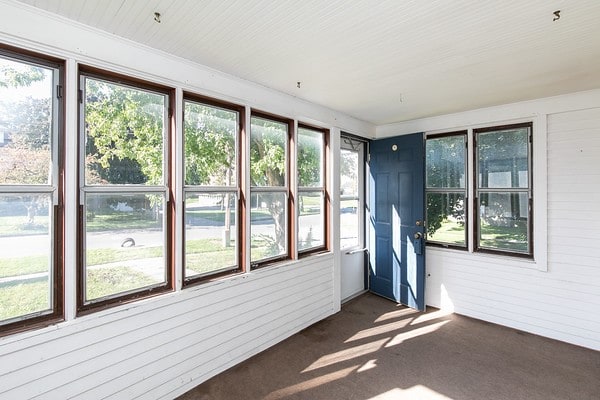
[[124, 133]]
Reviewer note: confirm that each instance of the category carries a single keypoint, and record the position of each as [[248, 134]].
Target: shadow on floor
[[375, 349]]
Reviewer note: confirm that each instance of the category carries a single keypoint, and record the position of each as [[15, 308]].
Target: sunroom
[[186, 184]]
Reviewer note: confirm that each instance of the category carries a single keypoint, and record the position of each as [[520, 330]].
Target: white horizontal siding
[[150, 350], [563, 302]]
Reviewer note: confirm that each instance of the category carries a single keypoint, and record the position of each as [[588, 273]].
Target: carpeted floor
[[375, 349]]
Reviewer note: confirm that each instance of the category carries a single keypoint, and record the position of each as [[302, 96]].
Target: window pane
[[311, 219], [310, 158], [125, 134], [445, 164], [25, 123], [503, 221], [268, 225], [349, 199], [349, 223], [26, 256], [503, 158], [124, 243], [210, 145], [268, 160], [446, 218], [210, 234]]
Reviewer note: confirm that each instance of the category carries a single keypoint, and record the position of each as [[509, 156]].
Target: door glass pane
[[445, 162], [25, 123], [210, 233], [446, 218], [210, 145], [310, 158], [503, 221], [268, 225], [311, 220], [124, 243], [503, 158], [349, 199], [268, 160], [26, 256], [124, 134]]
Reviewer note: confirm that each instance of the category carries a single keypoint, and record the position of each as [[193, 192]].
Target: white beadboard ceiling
[[381, 61]]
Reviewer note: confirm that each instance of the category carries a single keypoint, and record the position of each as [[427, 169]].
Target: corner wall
[[558, 294]]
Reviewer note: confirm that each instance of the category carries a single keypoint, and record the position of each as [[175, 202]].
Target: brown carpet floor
[[375, 349]]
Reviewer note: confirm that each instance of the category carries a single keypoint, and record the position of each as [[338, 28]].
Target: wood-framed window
[[270, 203], [500, 186], [125, 197], [446, 189], [31, 190], [503, 189], [313, 199], [213, 234]]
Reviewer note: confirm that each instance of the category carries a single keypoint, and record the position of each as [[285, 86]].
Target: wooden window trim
[[464, 191], [241, 215], [290, 182], [326, 246], [56, 314], [476, 218], [84, 308]]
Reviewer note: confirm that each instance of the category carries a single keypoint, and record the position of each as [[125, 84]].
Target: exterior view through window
[[446, 189], [311, 189], [211, 189], [269, 189], [349, 198], [30, 281], [502, 189], [124, 141]]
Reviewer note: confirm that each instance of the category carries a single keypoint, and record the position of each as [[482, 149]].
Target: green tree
[[25, 124]]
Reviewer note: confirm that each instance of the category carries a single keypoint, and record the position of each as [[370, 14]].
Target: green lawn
[[27, 297], [510, 237], [450, 232], [18, 226]]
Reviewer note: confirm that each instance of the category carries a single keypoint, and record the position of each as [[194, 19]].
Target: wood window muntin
[[233, 189], [321, 189], [162, 190], [481, 191], [451, 191], [53, 189]]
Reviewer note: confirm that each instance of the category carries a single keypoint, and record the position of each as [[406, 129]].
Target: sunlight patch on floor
[[310, 384], [378, 330], [396, 314], [347, 354], [401, 337], [430, 316], [417, 392], [368, 365]]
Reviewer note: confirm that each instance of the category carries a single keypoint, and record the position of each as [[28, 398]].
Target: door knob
[[418, 235]]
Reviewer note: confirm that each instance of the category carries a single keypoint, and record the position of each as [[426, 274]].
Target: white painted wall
[[160, 347], [558, 294]]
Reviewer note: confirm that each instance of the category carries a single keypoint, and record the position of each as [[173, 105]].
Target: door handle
[[356, 251], [418, 235]]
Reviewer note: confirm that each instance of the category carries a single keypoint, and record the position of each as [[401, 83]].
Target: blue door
[[396, 219]]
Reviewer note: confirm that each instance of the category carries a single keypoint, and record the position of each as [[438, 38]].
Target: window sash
[[51, 189], [480, 191], [323, 223], [145, 287], [451, 190], [235, 237]]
